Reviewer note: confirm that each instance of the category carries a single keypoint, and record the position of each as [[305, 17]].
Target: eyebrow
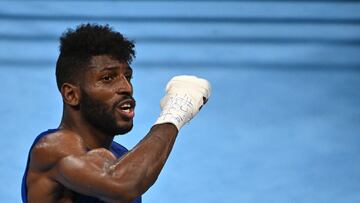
[[110, 68]]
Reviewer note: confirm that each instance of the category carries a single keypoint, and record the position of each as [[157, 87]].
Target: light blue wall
[[282, 125]]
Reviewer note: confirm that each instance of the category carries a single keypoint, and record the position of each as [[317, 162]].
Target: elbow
[[127, 197], [128, 189], [124, 193], [120, 198]]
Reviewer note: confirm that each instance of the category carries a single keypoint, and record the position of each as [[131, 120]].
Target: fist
[[184, 97], [197, 88]]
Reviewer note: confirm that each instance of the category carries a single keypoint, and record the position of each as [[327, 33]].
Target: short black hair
[[78, 46]]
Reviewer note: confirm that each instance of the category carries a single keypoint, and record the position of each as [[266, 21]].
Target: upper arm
[[89, 174], [65, 159]]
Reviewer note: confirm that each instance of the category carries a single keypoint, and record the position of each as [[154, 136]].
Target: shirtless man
[[79, 161]]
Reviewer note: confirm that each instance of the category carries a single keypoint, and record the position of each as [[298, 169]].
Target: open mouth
[[126, 108]]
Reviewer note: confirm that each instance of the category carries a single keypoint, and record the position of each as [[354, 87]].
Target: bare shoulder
[[53, 147]]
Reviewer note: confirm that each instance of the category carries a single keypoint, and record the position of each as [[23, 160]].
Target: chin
[[124, 128], [123, 131]]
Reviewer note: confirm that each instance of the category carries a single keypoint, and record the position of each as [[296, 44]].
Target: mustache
[[124, 97]]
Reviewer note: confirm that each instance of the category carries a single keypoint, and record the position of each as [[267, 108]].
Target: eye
[[128, 77], [107, 78]]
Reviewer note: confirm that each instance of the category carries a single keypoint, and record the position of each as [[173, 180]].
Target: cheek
[[105, 95]]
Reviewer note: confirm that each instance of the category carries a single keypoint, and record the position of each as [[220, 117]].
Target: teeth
[[126, 110], [126, 105]]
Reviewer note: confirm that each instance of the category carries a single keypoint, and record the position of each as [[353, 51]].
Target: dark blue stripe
[[183, 19], [286, 66], [205, 39]]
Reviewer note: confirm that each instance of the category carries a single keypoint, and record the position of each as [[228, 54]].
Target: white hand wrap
[[184, 97]]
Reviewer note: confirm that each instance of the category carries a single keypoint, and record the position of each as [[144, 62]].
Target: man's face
[[106, 95]]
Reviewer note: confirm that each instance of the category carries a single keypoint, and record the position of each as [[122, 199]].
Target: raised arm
[[97, 173]]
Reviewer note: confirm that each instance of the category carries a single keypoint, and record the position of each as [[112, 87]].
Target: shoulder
[[53, 147]]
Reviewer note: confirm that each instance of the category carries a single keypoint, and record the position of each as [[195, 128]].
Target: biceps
[[87, 175]]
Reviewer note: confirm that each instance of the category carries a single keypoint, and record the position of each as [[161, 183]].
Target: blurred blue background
[[283, 123]]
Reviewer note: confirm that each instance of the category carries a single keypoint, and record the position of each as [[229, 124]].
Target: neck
[[93, 138]]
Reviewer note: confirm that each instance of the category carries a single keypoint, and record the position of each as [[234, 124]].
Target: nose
[[125, 86]]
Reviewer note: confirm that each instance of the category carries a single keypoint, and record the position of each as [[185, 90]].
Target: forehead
[[105, 62]]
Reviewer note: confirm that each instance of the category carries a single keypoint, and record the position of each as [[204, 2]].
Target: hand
[[185, 95]]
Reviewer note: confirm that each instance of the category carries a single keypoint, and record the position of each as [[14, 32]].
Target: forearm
[[141, 166]]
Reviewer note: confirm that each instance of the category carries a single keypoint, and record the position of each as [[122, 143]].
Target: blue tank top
[[117, 149]]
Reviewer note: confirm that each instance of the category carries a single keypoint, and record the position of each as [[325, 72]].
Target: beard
[[102, 116]]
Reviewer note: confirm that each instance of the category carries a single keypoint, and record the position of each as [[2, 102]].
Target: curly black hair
[[88, 40]]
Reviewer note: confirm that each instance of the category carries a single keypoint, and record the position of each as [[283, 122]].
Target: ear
[[70, 94]]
